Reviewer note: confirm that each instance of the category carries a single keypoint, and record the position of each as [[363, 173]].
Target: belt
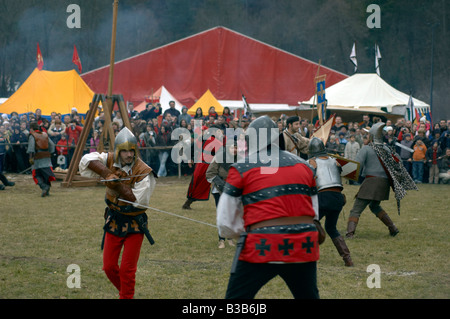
[[331, 189], [291, 220]]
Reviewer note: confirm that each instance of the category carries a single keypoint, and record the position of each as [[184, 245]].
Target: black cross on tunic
[[262, 247], [308, 244], [286, 247]]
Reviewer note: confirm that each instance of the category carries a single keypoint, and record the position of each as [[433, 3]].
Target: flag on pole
[[76, 58], [246, 107], [321, 100], [353, 57], [377, 59], [39, 58], [323, 132], [428, 116], [417, 116], [411, 108]]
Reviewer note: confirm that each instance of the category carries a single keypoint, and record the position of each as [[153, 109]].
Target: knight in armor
[[291, 140], [382, 169], [217, 173], [271, 209], [128, 178], [331, 199], [40, 149]]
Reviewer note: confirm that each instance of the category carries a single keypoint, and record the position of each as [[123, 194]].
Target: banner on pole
[[321, 100]]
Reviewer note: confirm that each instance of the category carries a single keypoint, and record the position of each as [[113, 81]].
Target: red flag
[[76, 58], [39, 58]]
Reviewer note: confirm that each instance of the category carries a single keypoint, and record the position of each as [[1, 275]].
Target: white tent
[[366, 91], [257, 107], [164, 97]]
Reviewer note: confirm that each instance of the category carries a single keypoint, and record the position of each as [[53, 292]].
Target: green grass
[[41, 237]]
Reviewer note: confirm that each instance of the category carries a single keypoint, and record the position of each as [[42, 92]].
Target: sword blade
[[168, 213], [122, 179]]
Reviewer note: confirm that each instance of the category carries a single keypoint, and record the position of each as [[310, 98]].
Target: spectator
[[148, 141], [172, 111], [55, 131], [18, 143], [227, 114], [406, 155], [94, 142], [118, 119], [116, 128], [365, 122], [132, 114], [198, 114], [351, 148], [434, 156], [62, 151], [241, 145], [73, 113], [151, 112], [73, 132], [419, 160], [332, 146], [338, 124], [212, 112], [444, 170], [184, 116], [443, 126], [421, 136], [163, 140], [341, 142], [389, 137]]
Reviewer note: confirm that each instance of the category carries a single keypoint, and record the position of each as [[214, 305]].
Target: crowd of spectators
[[424, 149]]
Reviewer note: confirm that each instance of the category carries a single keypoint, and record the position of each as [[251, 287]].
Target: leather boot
[[187, 204], [384, 217], [351, 226], [343, 250], [5, 181]]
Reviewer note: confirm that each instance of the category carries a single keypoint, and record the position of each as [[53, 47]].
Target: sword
[[404, 147], [161, 211], [122, 179]]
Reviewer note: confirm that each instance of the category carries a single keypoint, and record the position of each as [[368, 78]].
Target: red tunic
[[284, 193], [199, 187]]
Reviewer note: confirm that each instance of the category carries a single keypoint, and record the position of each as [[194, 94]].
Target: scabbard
[[143, 227], [239, 246]]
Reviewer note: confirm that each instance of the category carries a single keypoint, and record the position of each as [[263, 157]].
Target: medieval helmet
[[260, 127], [316, 148], [125, 140], [376, 131]]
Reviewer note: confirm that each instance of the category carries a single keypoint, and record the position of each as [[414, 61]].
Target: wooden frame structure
[[108, 104]]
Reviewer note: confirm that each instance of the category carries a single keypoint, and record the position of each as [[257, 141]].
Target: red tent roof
[[227, 63]]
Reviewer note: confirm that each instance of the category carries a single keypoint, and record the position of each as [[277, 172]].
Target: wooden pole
[[113, 48]]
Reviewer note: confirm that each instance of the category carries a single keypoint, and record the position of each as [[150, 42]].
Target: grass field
[[41, 237]]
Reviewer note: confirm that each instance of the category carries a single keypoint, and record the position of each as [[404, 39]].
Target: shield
[[350, 169]]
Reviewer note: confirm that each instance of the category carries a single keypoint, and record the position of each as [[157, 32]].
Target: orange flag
[[76, 58], [39, 58]]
